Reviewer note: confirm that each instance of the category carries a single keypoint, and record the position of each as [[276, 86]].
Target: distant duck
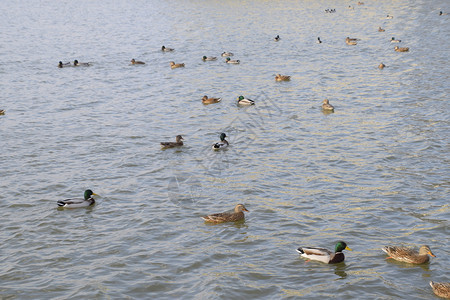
[[441, 289], [137, 62], [360, 3], [388, 17], [279, 77], [61, 65], [76, 203], [225, 54], [178, 143], [381, 29], [401, 49], [350, 7], [78, 64], [277, 38], [222, 144], [234, 216], [327, 106], [325, 255], [409, 255], [207, 100], [393, 40], [2, 111], [173, 65], [164, 49], [442, 13], [319, 41], [208, 58], [245, 101], [232, 61], [381, 66], [351, 41]]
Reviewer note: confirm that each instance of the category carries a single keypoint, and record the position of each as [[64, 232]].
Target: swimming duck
[[381, 66], [277, 38], [360, 3], [441, 289], [137, 62], [351, 41], [232, 61], [178, 143], [408, 255], [350, 7], [76, 203], [63, 65], [2, 111], [319, 41], [222, 144], [327, 106], [388, 17], [442, 13], [279, 77], [236, 215], [173, 65], [393, 40], [381, 29], [207, 100], [163, 48], [401, 49], [245, 101], [208, 58], [325, 255], [78, 64], [225, 54]]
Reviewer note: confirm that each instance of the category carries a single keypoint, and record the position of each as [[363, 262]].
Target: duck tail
[[61, 203]]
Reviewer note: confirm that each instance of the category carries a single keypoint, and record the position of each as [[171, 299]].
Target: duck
[[401, 49], [393, 40], [208, 58], [178, 143], [63, 65], [325, 255], [350, 7], [409, 255], [279, 77], [78, 64], [351, 41], [381, 66], [2, 111], [319, 41], [207, 100], [164, 49], [441, 289], [388, 17], [225, 54], [381, 29], [173, 65], [137, 62], [232, 61], [245, 101], [76, 203], [360, 3], [441, 13], [233, 216], [222, 144], [277, 38], [327, 106]]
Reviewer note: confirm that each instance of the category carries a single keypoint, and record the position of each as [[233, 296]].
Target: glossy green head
[[340, 246], [88, 194], [228, 59], [204, 57], [240, 98], [222, 136]]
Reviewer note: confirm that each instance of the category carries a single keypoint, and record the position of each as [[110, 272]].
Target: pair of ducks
[[76, 63], [242, 101], [179, 142]]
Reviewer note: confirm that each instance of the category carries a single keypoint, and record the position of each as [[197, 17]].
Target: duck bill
[[94, 194], [348, 248], [431, 253], [245, 210]]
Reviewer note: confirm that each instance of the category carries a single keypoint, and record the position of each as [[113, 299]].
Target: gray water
[[374, 172]]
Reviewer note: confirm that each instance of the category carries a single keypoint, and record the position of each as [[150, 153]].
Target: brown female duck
[[178, 143], [409, 255], [236, 215]]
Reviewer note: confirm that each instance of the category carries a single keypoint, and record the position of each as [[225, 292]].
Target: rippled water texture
[[374, 172]]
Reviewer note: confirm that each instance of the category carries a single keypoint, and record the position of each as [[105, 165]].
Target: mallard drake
[[350, 7], [76, 203], [137, 62], [394, 40], [279, 77], [173, 65], [63, 65], [225, 54], [319, 41], [230, 216], [232, 61], [441, 289], [277, 38], [245, 101], [207, 100], [409, 255], [388, 17], [325, 255], [2, 111], [222, 144], [381, 66], [208, 58], [381, 29], [82, 64], [327, 106], [178, 143], [442, 13], [164, 49], [401, 49]]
